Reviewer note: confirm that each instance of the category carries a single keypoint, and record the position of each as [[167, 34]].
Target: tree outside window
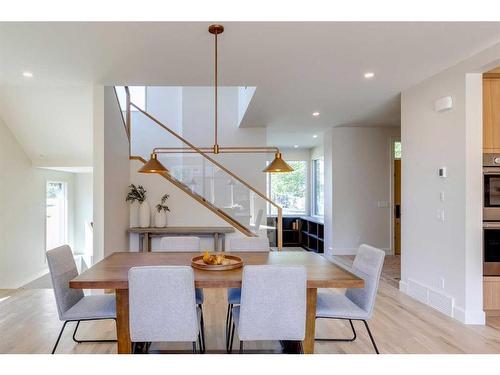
[[289, 189]]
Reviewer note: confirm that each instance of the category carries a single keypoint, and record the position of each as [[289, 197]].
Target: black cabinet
[[291, 231], [301, 231], [312, 234]]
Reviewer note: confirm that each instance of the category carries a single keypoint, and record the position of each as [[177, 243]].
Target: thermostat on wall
[[443, 104], [442, 172]]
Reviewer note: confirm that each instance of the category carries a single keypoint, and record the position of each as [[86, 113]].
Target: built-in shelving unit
[[312, 234], [300, 231], [291, 233]]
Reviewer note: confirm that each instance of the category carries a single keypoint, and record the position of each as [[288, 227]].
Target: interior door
[[397, 207]]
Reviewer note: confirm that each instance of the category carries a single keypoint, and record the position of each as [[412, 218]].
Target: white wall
[[443, 259], [116, 177], [22, 222], [111, 175], [83, 209], [98, 171], [357, 203]]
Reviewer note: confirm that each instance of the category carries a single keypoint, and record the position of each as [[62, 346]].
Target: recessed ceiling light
[[295, 146], [315, 136], [315, 114], [369, 75], [28, 74]]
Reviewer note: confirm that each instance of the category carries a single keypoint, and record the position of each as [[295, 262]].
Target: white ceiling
[[52, 124], [297, 68]]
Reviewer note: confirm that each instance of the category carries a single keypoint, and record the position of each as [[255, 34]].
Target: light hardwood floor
[[29, 324]]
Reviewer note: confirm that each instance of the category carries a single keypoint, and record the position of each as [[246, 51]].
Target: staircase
[[204, 179], [234, 223]]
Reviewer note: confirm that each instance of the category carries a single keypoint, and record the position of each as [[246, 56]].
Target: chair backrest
[[368, 265], [273, 303], [258, 219], [179, 244], [162, 305], [248, 244], [62, 268]]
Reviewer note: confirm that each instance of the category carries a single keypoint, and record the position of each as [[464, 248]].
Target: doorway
[[396, 153]]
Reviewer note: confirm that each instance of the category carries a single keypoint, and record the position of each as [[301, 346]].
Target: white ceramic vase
[[160, 219], [144, 214]]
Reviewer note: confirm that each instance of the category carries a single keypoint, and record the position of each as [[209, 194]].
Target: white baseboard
[[469, 317], [440, 301]]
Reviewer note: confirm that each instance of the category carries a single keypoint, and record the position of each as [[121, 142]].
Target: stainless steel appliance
[[491, 186], [491, 245], [491, 214]]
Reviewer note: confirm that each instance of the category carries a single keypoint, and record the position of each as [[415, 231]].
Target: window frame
[[313, 187]]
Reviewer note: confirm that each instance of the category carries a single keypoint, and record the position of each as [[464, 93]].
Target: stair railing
[[128, 125]]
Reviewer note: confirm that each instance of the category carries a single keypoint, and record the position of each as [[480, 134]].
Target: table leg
[[122, 324], [145, 243], [223, 241], [216, 241], [312, 297]]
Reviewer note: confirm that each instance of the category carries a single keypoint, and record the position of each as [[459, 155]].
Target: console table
[[145, 234]]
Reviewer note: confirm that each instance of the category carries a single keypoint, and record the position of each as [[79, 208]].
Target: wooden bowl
[[235, 262]]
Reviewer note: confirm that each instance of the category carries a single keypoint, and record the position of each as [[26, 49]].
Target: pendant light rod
[[216, 30], [222, 149]]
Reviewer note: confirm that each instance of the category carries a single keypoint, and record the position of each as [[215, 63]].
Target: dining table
[[112, 273]]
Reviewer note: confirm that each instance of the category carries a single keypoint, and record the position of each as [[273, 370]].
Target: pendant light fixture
[[153, 165], [278, 165]]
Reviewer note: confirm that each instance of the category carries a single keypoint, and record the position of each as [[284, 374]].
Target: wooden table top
[[112, 272], [182, 230]]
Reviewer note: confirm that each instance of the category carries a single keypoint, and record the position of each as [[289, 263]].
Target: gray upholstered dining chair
[[72, 304], [186, 244], [356, 303], [273, 305], [162, 305], [257, 244]]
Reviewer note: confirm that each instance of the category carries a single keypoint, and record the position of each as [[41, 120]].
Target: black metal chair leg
[[202, 332], [59, 337], [371, 337], [343, 340], [228, 327], [230, 348], [80, 341], [227, 316], [241, 347], [229, 319]]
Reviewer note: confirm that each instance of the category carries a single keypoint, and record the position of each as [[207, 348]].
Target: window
[[397, 150], [137, 96], [289, 189], [318, 181], [56, 224]]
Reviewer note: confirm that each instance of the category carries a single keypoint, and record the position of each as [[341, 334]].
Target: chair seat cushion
[[93, 307], [233, 296], [199, 296], [336, 305]]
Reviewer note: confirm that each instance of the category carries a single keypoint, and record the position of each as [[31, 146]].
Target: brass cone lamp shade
[[153, 166], [278, 165]]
